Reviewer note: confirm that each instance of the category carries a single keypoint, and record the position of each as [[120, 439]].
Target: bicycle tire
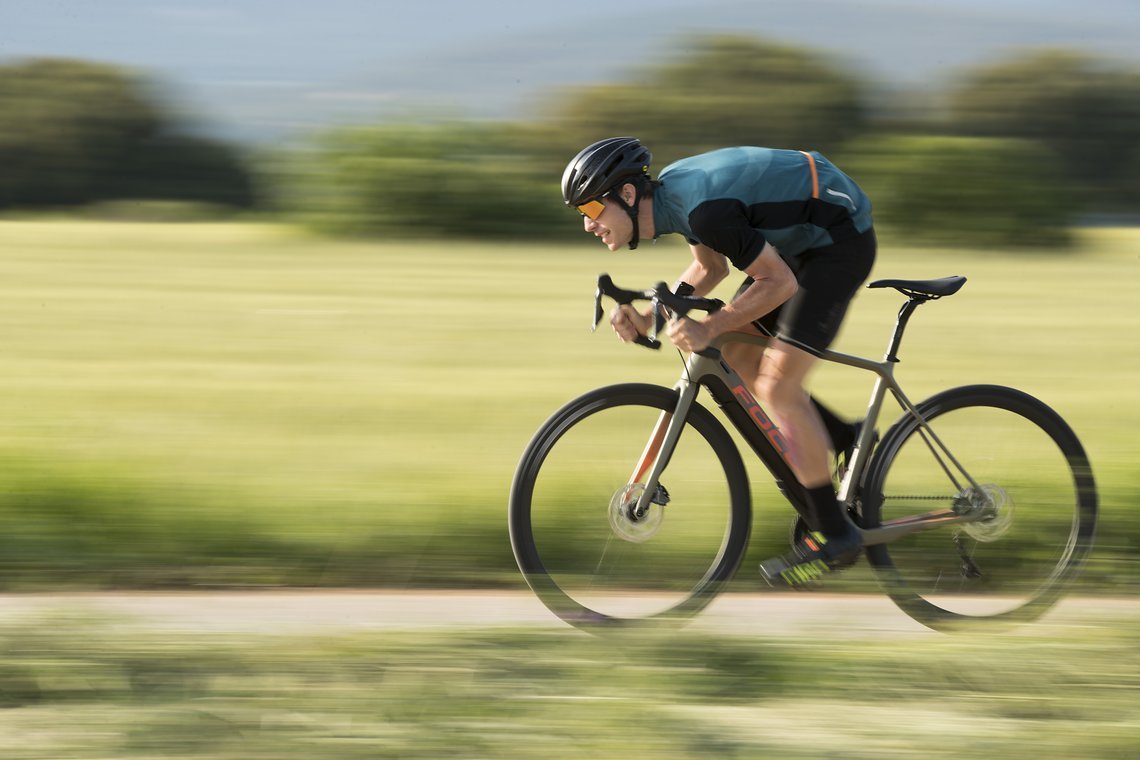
[[594, 573], [1039, 487]]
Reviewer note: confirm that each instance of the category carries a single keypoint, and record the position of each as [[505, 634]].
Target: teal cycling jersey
[[735, 200]]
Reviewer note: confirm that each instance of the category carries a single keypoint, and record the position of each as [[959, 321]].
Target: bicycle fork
[[658, 450]]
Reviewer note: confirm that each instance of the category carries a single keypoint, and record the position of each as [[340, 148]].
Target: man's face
[[613, 226]]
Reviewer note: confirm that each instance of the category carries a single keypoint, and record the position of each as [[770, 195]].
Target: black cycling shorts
[[828, 277]]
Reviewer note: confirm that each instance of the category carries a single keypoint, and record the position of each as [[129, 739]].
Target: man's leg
[[808, 323], [840, 432], [780, 386], [776, 377]]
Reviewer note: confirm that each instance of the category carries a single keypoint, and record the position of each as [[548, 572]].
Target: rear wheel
[[1020, 469], [574, 529]]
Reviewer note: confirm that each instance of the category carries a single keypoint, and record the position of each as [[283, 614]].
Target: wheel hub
[[624, 521], [992, 502]]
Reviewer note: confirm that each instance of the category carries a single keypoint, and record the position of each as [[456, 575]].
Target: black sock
[[841, 432], [829, 517]]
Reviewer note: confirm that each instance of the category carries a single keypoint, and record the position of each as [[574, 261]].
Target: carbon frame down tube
[[734, 398]]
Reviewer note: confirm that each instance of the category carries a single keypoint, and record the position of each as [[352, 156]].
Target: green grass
[[79, 688], [240, 403]]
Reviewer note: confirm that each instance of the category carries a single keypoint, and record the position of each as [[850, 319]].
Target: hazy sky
[[258, 66]]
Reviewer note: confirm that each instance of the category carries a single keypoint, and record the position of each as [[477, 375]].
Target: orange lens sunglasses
[[591, 209]]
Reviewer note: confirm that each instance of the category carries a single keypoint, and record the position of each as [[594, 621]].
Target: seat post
[[917, 292], [907, 309]]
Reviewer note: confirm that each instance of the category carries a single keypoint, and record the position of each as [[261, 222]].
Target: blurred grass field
[[88, 688], [201, 404]]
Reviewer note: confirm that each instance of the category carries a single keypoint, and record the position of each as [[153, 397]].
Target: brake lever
[[651, 340], [606, 287], [658, 320]]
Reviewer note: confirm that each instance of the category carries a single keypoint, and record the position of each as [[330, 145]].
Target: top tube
[[678, 304]]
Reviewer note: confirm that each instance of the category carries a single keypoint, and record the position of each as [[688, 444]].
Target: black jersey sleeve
[[723, 226]]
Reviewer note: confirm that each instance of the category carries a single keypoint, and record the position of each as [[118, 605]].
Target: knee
[[745, 360], [779, 392]]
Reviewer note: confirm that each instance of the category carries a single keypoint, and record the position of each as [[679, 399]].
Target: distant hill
[[261, 70]]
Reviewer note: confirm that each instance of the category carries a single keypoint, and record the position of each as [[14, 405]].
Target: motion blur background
[[286, 287], [375, 118]]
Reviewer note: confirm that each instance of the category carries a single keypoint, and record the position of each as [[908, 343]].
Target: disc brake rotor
[[622, 520], [995, 502]]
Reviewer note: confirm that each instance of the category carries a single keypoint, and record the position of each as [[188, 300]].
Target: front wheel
[[574, 529], [1013, 465]]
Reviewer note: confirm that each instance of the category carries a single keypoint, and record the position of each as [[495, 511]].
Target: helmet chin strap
[[631, 210]]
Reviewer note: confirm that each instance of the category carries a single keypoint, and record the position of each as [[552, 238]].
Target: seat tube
[[855, 468]]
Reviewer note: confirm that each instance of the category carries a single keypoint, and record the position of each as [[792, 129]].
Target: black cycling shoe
[[812, 558], [799, 529]]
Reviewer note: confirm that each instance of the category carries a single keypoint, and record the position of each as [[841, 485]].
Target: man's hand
[[689, 335], [628, 323]]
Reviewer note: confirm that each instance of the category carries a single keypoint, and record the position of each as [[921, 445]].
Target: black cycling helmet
[[603, 166]]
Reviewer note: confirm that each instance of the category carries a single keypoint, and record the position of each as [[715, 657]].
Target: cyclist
[[801, 231]]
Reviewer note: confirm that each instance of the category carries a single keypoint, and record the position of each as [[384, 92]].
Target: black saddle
[[923, 289]]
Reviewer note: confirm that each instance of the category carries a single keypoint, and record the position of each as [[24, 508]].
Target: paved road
[[841, 616]]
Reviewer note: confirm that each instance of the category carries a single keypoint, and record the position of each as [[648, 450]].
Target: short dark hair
[[645, 185]]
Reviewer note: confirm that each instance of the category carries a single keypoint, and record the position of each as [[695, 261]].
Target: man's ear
[[628, 193]]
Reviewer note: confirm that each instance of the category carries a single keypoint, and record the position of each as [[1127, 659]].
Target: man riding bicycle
[[801, 231]]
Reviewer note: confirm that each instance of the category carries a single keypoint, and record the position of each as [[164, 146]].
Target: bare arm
[[773, 283], [707, 270]]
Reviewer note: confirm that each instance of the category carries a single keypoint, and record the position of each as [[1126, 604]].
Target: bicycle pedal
[[771, 570]]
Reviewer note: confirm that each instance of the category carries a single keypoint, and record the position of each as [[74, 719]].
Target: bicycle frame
[[731, 393]]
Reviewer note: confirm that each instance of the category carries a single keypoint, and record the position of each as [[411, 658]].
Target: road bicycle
[[631, 504]]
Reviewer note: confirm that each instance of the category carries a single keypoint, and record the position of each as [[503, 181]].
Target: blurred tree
[[73, 132], [64, 126], [422, 180], [1085, 110], [184, 168], [722, 91], [963, 190], [501, 180]]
